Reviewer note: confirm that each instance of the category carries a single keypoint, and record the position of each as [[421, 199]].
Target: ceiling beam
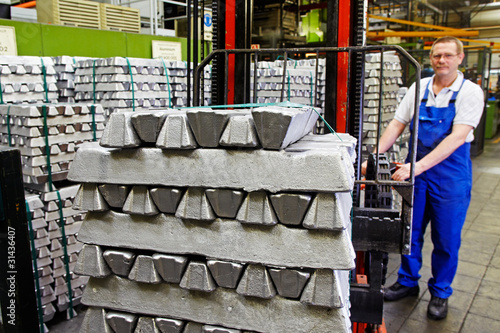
[[384, 34], [418, 24]]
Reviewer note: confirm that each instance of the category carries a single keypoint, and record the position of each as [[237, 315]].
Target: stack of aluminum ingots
[[27, 79], [133, 84], [216, 221], [299, 77], [54, 288], [46, 135], [65, 67], [301, 83], [48, 138], [391, 97]]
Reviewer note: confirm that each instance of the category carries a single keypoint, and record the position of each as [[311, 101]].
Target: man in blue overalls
[[450, 109]]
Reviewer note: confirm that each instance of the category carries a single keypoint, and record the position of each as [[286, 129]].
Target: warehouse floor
[[476, 299]]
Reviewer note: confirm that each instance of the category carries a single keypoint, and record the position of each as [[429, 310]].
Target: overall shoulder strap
[[426, 94], [454, 96]]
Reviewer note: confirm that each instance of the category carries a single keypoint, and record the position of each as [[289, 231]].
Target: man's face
[[445, 59]]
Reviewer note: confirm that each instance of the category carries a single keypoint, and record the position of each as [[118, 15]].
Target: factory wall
[[36, 39]]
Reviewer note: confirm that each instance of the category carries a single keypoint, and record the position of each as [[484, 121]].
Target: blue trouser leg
[[448, 217], [411, 264]]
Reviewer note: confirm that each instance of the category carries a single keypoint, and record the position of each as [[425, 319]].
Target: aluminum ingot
[[217, 329], [89, 198], [169, 325], [208, 124], [323, 289], [195, 206], [278, 314], [95, 321], [278, 127], [257, 209], [290, 208], [221, 239], [226, 274], [139, 202], [146, 325], [148, 124], [170, 267], [119, 132], [240, 132], [225, 203], [197, 277], [329, 211], [121, 321], [120, 261], [166, 199], [91, 262], [176, 133], [144, 270], [289, 282], [307, 170], [193, 327], [256, 282], [115, 195]]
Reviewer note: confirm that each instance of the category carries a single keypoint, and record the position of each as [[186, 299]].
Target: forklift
[[377, 227]]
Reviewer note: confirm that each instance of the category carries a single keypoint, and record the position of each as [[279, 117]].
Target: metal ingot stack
[[61, 261], [22, 126], [65, 67], [48, 133], [132, 84], [216, 221], [392, 73], [27, 79], [54, 292], [43, 261], [299, 81]]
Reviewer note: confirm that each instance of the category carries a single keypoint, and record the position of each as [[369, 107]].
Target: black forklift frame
[[374, 230]]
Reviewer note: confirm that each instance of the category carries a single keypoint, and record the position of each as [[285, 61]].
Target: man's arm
[[449, 144], [391, 134]]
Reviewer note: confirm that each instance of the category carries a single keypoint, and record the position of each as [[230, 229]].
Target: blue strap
[[453, 97]]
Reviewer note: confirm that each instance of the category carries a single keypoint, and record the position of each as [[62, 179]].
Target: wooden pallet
[[120, 18], [78, 13]]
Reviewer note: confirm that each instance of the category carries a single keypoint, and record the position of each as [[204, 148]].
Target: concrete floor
[[475, 303]]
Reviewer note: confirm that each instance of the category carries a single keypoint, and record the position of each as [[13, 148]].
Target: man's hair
[[449, 39]]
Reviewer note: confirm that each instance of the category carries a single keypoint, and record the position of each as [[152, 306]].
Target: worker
[[450, 108]]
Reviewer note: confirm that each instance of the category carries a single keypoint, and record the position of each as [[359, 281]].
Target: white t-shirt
[[468, 106]]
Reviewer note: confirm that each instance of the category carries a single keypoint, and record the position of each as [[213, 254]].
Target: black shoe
[[398, 291], [438, 308]]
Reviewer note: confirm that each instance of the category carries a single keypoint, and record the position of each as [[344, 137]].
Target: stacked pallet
[[126, 84], [300, 83], [217, 238], [43, 260], [54, 287], [65, 67], [120, 18], [46, 135], [78, 13], [391, 96], [34, 129], [27, 79]]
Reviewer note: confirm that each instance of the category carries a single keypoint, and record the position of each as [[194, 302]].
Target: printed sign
[[167, 50], [8, 44]]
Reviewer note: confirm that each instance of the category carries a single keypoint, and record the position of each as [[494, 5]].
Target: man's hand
[[363, 168], [403, 173]]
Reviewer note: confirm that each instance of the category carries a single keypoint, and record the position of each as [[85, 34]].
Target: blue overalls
[[442, 196]]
